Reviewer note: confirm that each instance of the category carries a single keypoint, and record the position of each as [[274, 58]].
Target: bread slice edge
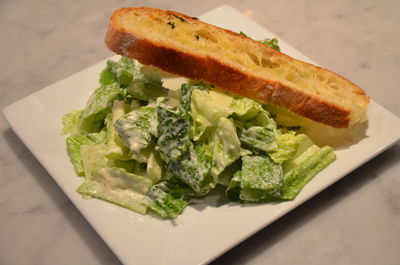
[[198, 66]]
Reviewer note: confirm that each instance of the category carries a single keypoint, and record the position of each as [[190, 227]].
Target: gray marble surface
[[355, 221]]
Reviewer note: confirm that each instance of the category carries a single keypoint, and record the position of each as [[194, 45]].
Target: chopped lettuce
[[308, 161], [146, 89], [107, 77], [286, 147], [98, 107], [259, 138], [256, 129], [264, 179], [130, 74], [94, 157], [164, 203], [142, 146], [185, 161], [193, 168], [117, 186], [174, 135], [207, 107], [144, 155], [185, 99], [248, 112], [259, 179], [245, 108], [115, 146], [135, 128], [122, 72], [74, 144], [70, 122], [259, 172], [225, 145], [225, 177], [155, 167]]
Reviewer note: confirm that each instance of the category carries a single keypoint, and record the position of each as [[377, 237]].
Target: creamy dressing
[[126, 198], [194, 171], [135, 128], [117, 178], [118, 186]]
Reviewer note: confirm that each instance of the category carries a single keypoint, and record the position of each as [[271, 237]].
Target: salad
[[154, 149]]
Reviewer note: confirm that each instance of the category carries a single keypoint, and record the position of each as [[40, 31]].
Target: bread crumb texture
[[282, 76]]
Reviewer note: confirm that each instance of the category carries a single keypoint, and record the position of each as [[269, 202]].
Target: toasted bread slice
[[185, 46]]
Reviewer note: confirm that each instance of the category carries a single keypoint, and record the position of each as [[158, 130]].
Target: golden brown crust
[[192, 65]]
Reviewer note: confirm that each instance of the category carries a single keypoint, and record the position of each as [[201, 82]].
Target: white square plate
[[203, 231]]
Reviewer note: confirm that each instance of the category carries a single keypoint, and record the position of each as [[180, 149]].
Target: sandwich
[[234, 121]]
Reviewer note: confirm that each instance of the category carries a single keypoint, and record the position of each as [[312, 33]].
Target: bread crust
[[194, 66]]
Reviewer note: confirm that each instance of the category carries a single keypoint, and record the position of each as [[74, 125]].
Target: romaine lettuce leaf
[[140, 145], [155, 167], [194, 168], [186, 94], [117, 186], [287, 144], [257, 131], [130, 74], [207, 107], [225, 177], [304, 144], [261, 177], [245, 108], [144, 155], [107, 77], [164, 203], [122, 71], [173, 131], [259, 138], [136, 127], [98, 107], [251, 113], [308, 161], [273, 43], [115, 146], [225, 145], [70, 122], [185, 97], [74, 144], [94, 157], [234, 188]]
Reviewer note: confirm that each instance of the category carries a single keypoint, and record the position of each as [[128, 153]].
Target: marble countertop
[[355, 221]]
